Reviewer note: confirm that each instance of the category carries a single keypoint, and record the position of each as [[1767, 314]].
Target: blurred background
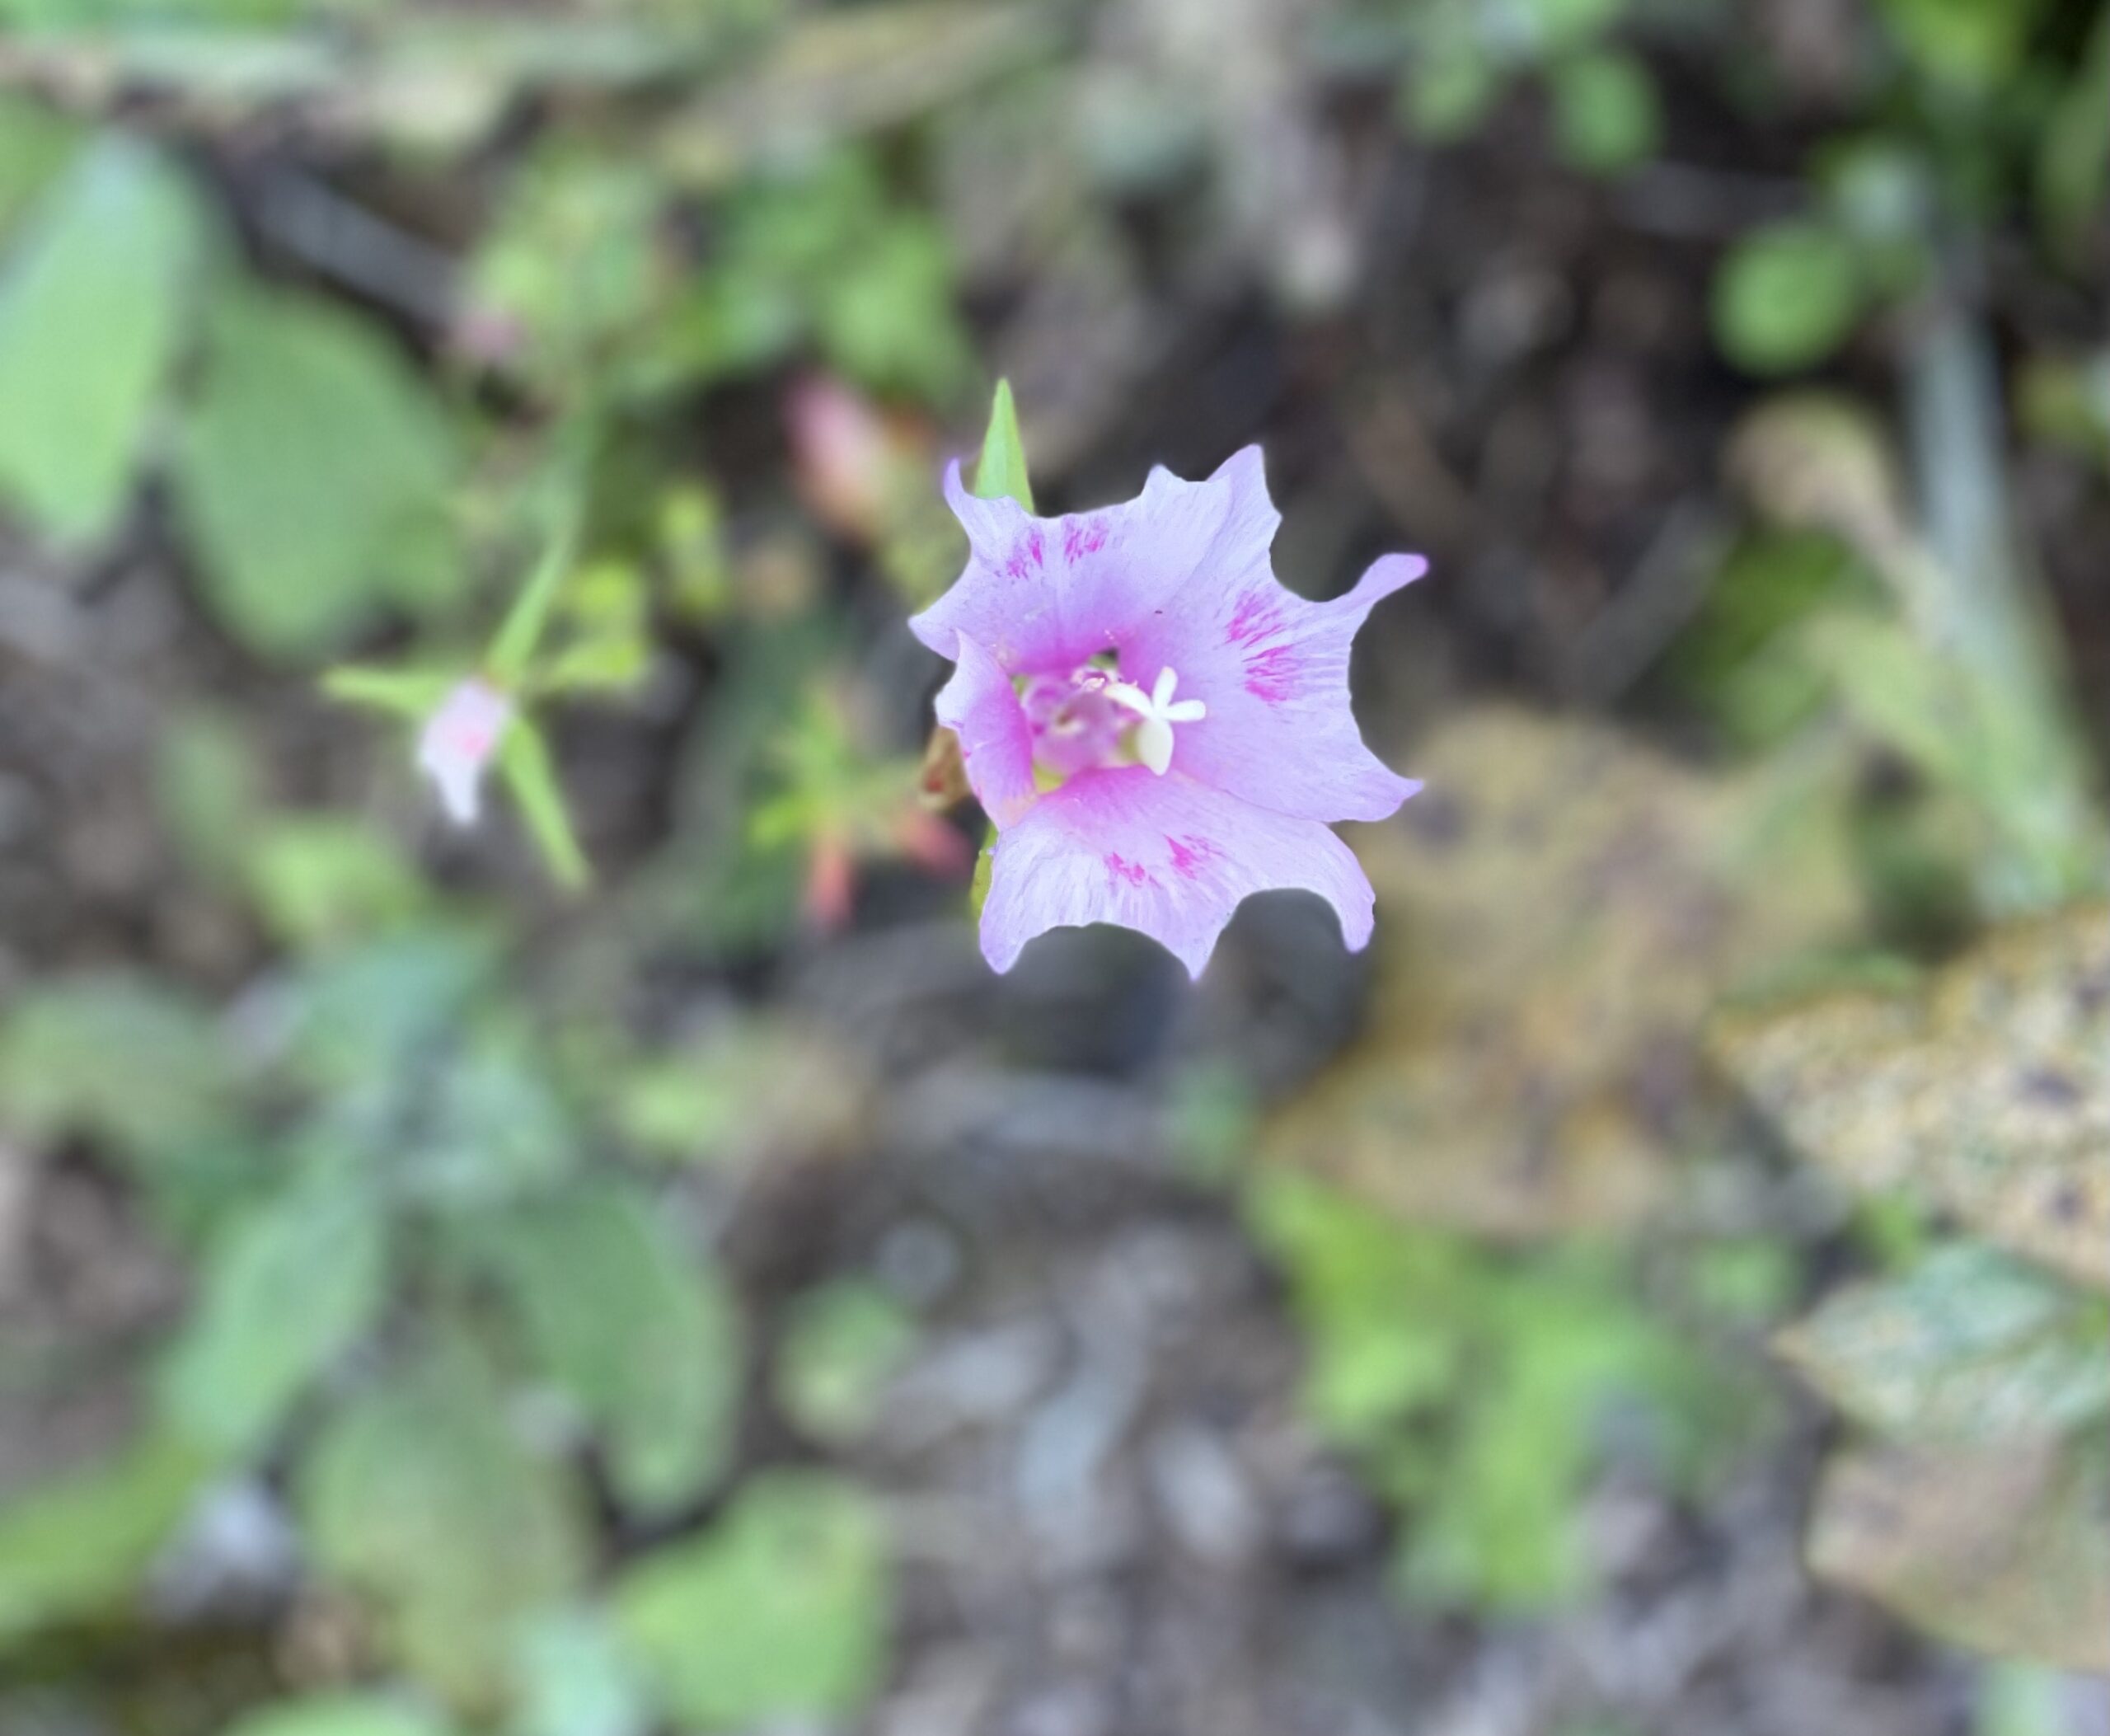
[[626, 1268]]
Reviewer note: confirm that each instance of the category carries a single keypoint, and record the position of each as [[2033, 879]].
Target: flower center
[[1091, 718]]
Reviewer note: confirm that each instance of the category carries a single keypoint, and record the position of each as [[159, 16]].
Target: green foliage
[[419, 1494], [118, 1057], [1968, 1346], [841, 1344], [1477, 1389], [781, 1611], [645, 1340], [1787, 296], [314, 476], [1605, 113], [531, 779], [573, 1680], [245, 1356], [827, 256], [342, 1714], [1974, 45], [79, 1544], [1740, 658], [91, 308], [323, 880]]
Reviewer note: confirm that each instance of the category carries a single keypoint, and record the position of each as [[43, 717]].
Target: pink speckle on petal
[[1189, 853], [1271, 673], [1134, 873], [1082, 537], [1256, 616]]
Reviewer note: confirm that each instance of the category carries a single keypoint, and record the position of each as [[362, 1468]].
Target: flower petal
[[1049, 594], [1272, 668], [1167, 856], [457, 743], [980, 706]]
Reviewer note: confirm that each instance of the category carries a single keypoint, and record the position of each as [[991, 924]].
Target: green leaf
[[1002, 473], [572, 1679], [2072, 148], [1605, 113], [77, 1545], [780, 1610], [418, 1495], [376, 1011], [512, 646], [1986, 1092], [341, 1714], [412, 693], [118, 1057], [523, 762], [841, 1345], [1975, 45], [1786, 297], [246, 1354], [1968, 1346], [36, 142], [644, 1337], [91, 310], [313, 477], [322, 879], [497, 1129], [1449, 88]]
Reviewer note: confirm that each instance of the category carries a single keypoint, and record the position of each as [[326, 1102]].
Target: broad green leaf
[[342, 1714], [2004, 1549], [312, 476], [118, 1057], [1002, 473], [36, 142], [91, 306], [496, 1129], [523, 762], [1605, 112], [1786, 297], [1984, 1093], [246, 1354], [645, 1337], [418, 1495], [1969, 1346], [840, 1346], [373, 1012], [779, 1610], [77, 1545]]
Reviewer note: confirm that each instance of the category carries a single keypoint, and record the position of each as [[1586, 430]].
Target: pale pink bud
[[457, 741]]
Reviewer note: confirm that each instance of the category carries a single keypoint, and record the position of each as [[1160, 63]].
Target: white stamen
[[1157, 713]]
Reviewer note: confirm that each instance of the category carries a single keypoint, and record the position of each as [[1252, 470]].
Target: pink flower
[[457, 741], [1156, 726]]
